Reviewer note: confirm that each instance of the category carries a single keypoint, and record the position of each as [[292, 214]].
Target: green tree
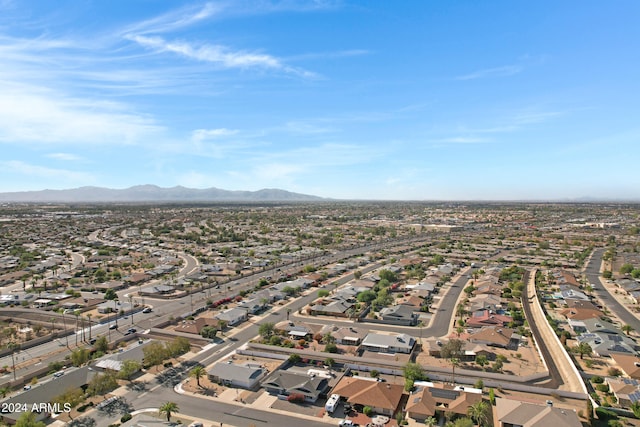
[[627, 329], [128, 369], [607, 274], [266, 329], [101, 344], [178, 347], [331, 348], [453, 350], [4, 391], [626, 268], [168, 408], [73, 396], [323, 293], [479, 413], [79, 356], [481, 360], [431, 421], [462, 422], [294, 358], [413, 371], [197, 373], [28, 419], [209, 332], [154, 353], [583, 349], [102, 384], [110, 294], [388, 275], [367, 296]]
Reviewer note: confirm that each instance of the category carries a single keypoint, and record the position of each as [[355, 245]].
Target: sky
[[376, 99]]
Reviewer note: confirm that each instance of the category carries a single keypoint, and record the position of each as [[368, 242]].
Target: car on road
[[147, 310], [195, 424], [58, 374], [113, 326], [347, 423], [131, 330]]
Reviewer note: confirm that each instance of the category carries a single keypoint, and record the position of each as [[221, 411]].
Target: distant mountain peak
[[152, 193]]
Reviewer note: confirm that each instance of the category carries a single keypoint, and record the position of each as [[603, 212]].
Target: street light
[[115, 308], [13, 347]]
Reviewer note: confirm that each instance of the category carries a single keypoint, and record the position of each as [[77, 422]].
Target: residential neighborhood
[[377, 320]]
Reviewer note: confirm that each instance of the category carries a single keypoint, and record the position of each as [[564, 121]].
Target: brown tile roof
[[427, 400], [629, 363], [370, 393]]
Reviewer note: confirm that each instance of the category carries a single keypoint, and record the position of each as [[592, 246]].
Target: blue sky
[[420, 100]]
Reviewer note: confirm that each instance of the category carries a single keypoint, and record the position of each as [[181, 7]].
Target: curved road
[[592, 271]]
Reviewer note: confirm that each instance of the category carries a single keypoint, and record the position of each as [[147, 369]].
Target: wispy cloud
[[67, 157], [505, 71], [204, 134], [175, 20], [30, 114], [464, 140], [220, 55], [21, 169]]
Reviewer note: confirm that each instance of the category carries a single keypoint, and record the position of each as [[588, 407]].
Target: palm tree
[[479, 413], [431, 422], [4, 391], [89, 317], [197, 373], [583, 349], [627, 329], [168, 408]]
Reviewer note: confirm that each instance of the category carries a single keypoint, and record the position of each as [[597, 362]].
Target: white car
[[195, 424], [346, 423]]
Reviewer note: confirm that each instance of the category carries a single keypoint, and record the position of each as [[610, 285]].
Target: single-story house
[[233, 316], [384, 398], [287, 383], [395, 343], [246, 375], [429, 398]]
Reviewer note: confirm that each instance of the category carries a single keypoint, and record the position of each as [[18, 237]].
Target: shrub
[[604, 413], [367, 410], [125, 418], [602, 387], [597, 379], [295, 398]]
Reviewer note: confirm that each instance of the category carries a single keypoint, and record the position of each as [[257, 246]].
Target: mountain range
[[153, 193]]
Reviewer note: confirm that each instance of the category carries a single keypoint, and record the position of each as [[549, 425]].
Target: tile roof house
[[581, 310], [512, 413], [485, 301], [287, 383], [382, 397], [429, 398], [629, 363], [349, 335], [626, 390], [485, 317], [496, 337]]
